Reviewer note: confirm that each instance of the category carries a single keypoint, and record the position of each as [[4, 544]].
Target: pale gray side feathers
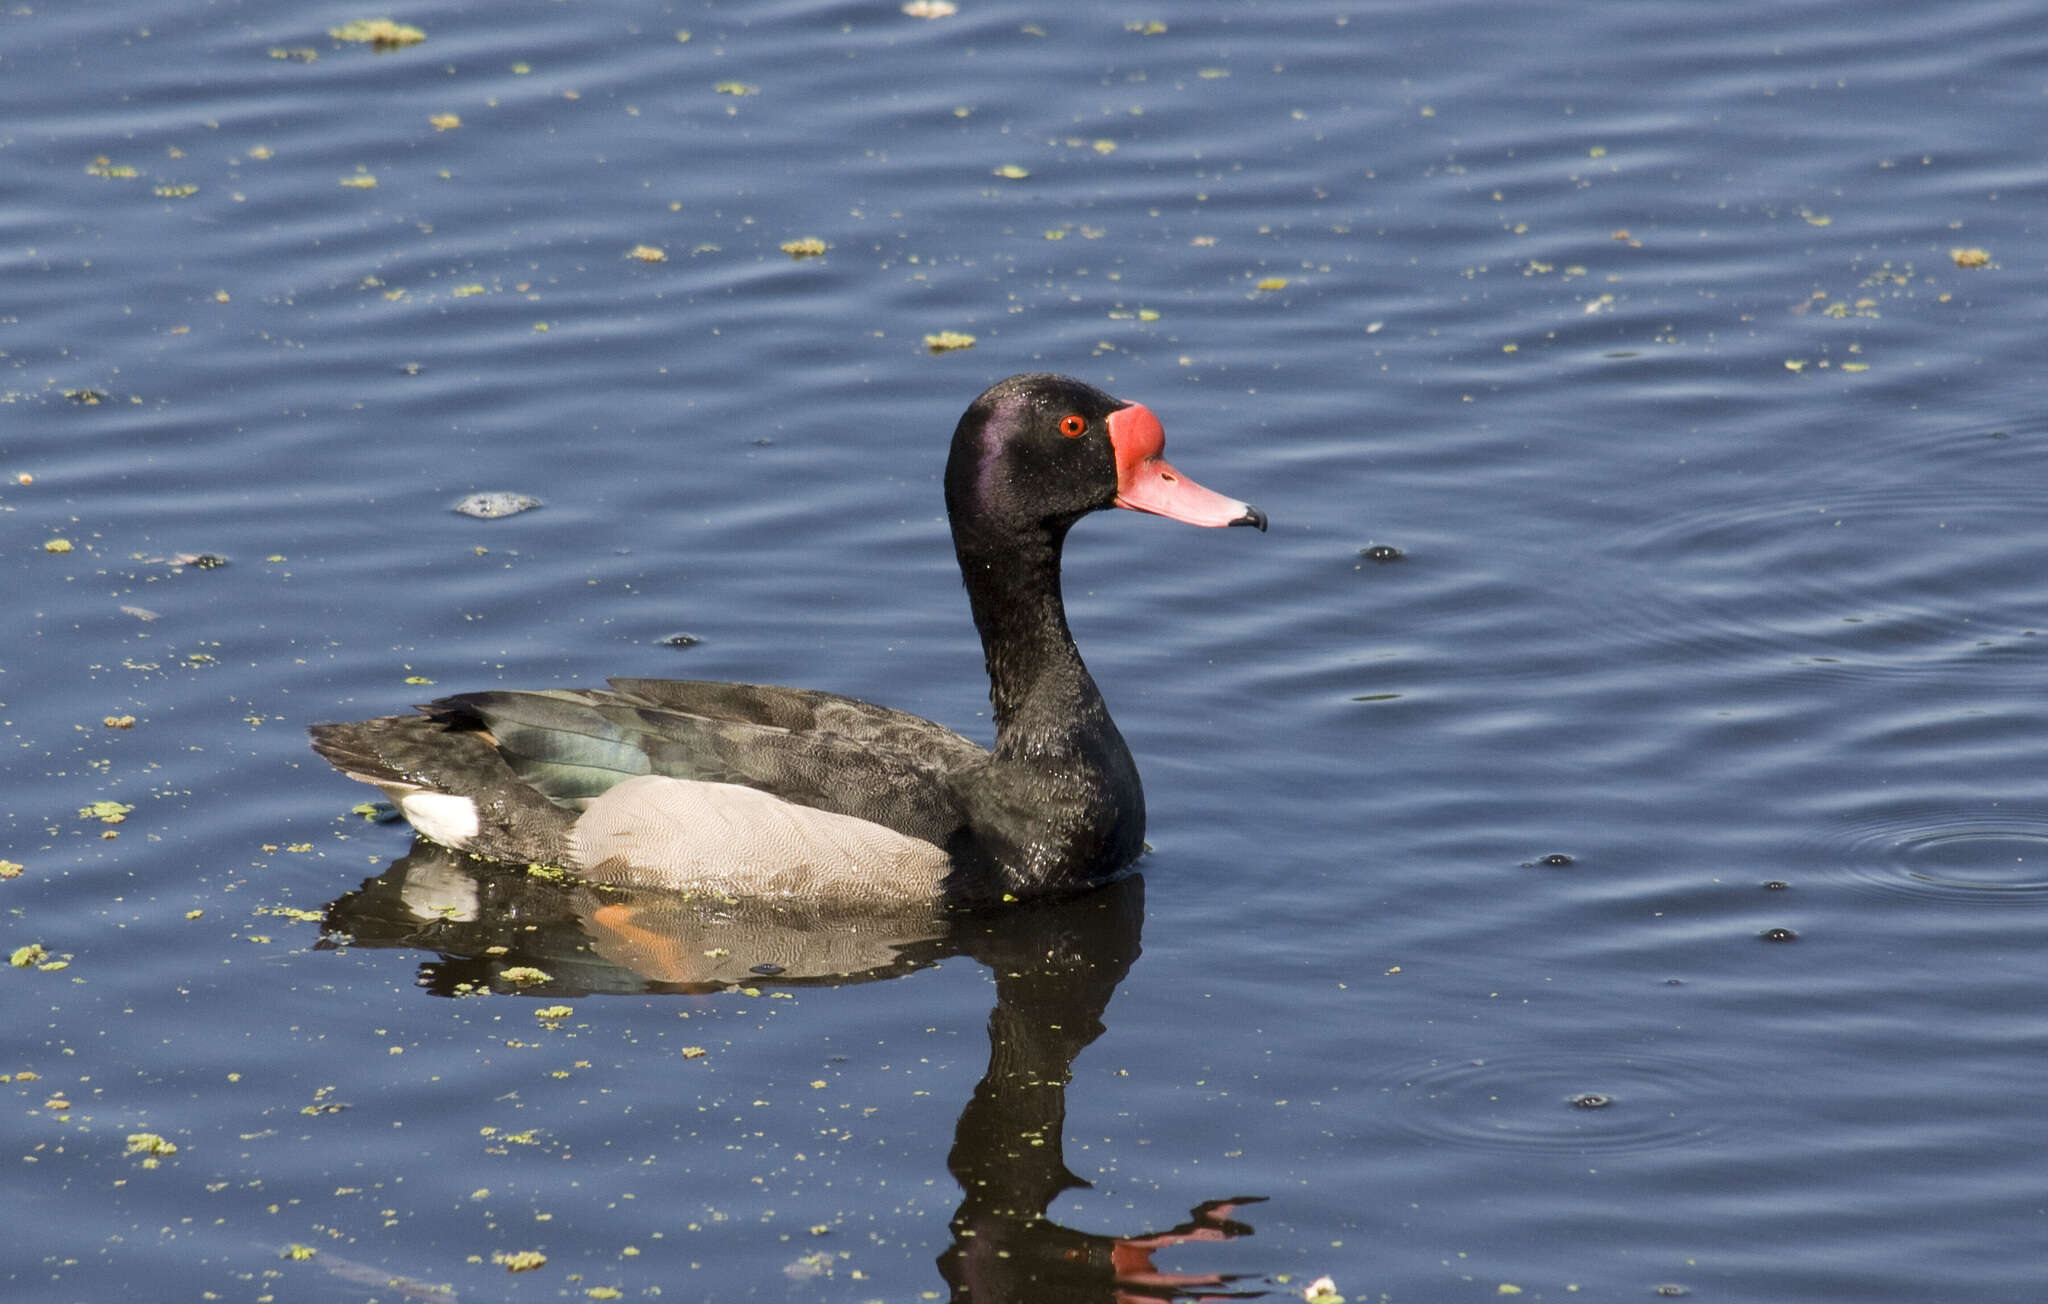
[[692, 833]]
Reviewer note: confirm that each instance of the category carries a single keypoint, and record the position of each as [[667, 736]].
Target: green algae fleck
[[106, 812], [947, 341], [378, 33]]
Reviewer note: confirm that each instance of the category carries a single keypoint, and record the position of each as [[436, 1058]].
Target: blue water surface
[[1599, 836]]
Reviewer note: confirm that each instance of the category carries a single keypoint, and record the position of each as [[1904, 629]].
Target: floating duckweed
[[736, 88], [360, 181], [1273, 283], [107, 812], [931, 8], [1971, 257], [378, 33], [119, 722], [28, 957], [184, 190], [149, 1143], [1013, 172], [519, 1260], [11, 868], [808, 246], [299, 1252], [694, 1052], [57, 545], [554, 1012], [103, 166], [647, 253], [522, 973], [445, 121], [947, 341]]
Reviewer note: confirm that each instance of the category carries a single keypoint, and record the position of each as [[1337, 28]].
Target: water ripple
[[1595, 1102], [1869, 568], [1989, 855]]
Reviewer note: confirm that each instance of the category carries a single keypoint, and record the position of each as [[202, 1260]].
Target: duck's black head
[[1035, 453]]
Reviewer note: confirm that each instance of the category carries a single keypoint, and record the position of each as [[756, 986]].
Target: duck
[[759, 791]]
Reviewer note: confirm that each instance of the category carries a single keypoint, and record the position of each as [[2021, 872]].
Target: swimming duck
[[760, 791]]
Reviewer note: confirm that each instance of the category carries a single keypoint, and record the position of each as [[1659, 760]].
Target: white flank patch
[[687, 833], [439, 817]]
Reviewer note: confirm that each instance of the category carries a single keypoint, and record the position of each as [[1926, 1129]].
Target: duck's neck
[[1046, 703]]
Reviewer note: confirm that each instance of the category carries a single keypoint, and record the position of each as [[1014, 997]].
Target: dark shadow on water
[[1056, 966]]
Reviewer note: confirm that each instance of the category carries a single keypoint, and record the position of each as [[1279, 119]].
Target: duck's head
[[1040, 451]]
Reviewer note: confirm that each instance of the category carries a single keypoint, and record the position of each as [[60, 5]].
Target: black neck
[[1043, 696]]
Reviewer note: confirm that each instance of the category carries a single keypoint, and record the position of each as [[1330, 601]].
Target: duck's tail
[[444, 773]]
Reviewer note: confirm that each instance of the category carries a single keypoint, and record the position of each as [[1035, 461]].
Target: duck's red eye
[[1072, 425]]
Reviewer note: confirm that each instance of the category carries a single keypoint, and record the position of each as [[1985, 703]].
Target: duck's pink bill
[[1147, 482]]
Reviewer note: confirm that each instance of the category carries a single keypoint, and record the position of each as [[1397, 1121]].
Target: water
[[1634, 886]]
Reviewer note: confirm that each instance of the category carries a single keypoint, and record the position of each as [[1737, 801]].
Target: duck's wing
[[807, 711], [810, 749]]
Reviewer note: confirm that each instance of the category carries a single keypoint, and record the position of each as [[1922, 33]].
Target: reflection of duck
[[761, 791], [1056, 966], [1056, 963], [484, 921]]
